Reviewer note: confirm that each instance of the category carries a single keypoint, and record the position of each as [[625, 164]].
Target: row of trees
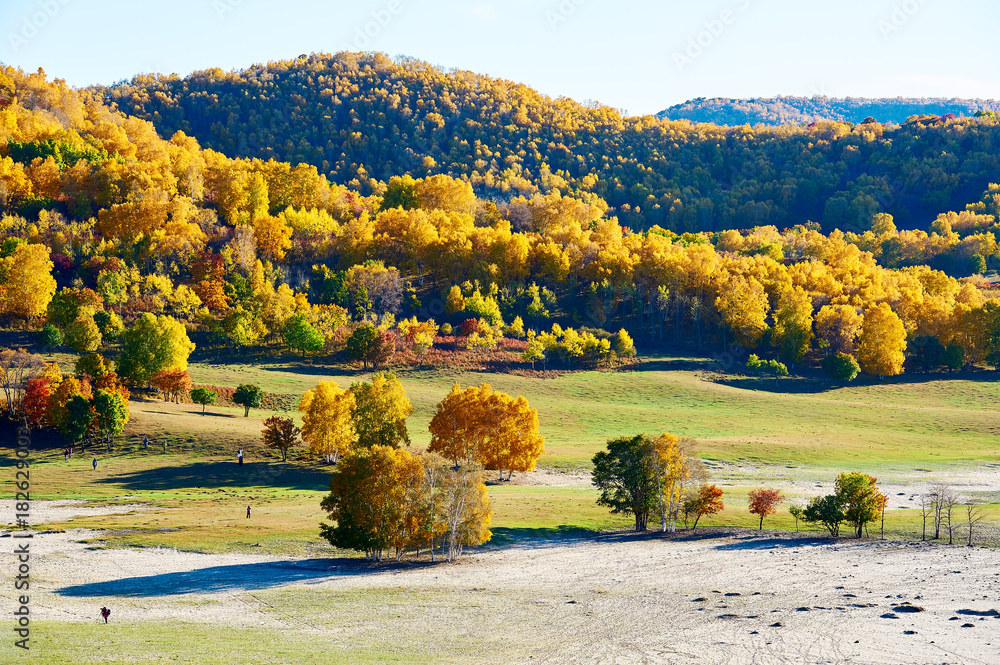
[[640, 476], [473, 426]]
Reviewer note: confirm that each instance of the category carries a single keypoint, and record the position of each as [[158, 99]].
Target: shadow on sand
[[775, 543], [236, 577]]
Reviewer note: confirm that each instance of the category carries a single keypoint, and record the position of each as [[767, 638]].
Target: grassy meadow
[[794, 432]]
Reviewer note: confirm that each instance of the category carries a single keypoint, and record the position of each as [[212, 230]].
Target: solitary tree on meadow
[[249, 397], [764, 502], [203, 396], [280, 434]]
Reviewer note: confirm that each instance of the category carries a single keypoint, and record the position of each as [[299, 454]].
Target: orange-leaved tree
[[706, 501], [764, 502], [482, 426], [171, 382], [280, 434]]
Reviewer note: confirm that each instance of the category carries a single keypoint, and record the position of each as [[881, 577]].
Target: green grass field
[[751, 432], [896, 425]]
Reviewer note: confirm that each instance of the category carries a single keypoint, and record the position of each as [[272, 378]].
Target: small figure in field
[[95, 464], [239, 456], [66, 455], [105, 613], [248, 512], [145, 442]]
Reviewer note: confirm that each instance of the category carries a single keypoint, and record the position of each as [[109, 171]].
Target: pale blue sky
[[637, 56]]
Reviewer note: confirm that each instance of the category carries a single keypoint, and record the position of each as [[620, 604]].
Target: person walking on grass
[[95, 464], [248, 512], [105, 613], [239, 456]]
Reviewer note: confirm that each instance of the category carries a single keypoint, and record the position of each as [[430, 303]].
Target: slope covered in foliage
[[114, 236], [804, 110], [360, 118]]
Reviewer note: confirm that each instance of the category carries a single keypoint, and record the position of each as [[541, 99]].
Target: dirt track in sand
[[710, 598]]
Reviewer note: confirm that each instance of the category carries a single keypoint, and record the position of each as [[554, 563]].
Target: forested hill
[[362, 118], [803, 110]]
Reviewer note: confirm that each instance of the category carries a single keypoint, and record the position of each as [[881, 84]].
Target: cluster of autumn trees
[[383, 498], [640, 476], [362, 118], [90, 405]]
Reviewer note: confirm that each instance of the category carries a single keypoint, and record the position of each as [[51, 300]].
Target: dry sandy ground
[[725, 597]]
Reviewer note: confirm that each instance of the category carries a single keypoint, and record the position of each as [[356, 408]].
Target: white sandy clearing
[[46, 512], [614, 599]]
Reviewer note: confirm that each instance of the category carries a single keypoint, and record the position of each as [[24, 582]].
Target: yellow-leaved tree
[[380, 411], [793, 323], [512, 442], [881, 349], [674, 464], [27, 284], [839, 326], [326, 420], [374, 496], [273, 237], [744, 306]]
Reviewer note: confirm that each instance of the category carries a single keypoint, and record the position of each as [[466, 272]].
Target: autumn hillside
[[364, 117], [106, 224]]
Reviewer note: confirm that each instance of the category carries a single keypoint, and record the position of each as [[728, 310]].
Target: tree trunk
[[761, 527]]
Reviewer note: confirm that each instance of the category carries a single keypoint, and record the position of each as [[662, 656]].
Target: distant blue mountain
[[804, 110]]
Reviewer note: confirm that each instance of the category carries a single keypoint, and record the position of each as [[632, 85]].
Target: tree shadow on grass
[[672, 364], [222, 475], [331, 371], [815, 383], [196, 413], [236, 577]]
